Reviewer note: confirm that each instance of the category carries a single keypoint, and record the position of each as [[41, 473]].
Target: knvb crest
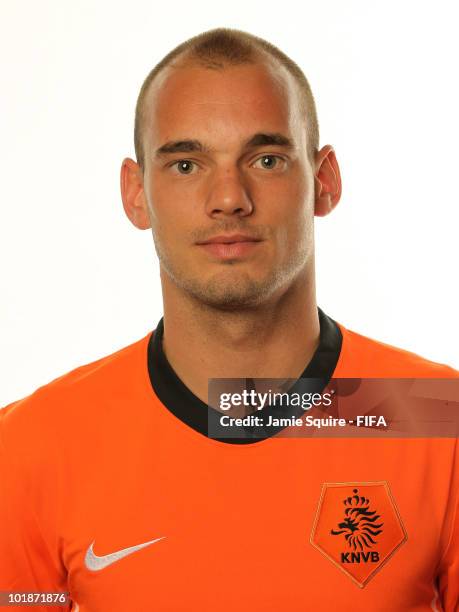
[[359, 532], [360, 527]]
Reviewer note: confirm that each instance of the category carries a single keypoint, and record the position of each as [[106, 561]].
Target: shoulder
[[76, 397], [362, 356]]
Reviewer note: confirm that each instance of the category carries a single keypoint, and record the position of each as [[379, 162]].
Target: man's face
[[226, 161]]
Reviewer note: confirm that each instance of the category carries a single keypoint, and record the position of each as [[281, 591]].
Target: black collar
[[186, 406]]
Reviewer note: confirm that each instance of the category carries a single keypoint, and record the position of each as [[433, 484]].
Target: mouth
[[230, 247]]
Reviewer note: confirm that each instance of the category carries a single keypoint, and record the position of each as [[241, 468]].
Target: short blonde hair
[[216, 49]]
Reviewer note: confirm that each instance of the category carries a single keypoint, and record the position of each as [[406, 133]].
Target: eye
[[269, 162], [184, 166]]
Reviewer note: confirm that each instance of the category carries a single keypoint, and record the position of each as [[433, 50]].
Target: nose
[[228, 195]]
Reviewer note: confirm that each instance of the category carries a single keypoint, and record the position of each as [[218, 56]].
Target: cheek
[[172, 207], [293, 214], [168, 184], [302, 190], [290, 202]]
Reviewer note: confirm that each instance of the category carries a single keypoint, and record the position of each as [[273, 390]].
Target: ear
[[133, 195], [327, 181]]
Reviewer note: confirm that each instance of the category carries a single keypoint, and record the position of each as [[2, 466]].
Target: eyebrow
[[271, 138], [257, 140], [181, 146]]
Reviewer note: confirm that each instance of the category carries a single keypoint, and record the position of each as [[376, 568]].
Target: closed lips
[[229, 239]]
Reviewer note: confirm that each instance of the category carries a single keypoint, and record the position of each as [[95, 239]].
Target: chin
[[230, 288], [231, 295]]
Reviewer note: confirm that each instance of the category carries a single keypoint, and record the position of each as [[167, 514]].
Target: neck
[[202, 342]]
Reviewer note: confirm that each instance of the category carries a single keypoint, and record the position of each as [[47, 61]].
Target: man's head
[[215, 50], [227, 145]]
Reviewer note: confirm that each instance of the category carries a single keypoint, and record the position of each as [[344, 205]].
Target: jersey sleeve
[[448, 574], [448, 578], [28, 559]]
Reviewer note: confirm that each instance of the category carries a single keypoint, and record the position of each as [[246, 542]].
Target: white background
[[78, 281]]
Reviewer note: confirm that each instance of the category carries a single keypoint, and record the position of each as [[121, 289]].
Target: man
[[111, 488]]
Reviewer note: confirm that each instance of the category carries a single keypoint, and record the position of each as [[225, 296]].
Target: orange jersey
[[109, 491]]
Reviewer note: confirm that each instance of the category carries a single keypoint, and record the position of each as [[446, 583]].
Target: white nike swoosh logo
[[95, 563]]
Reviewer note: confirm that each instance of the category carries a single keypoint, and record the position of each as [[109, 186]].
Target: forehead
[[224, 106]]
